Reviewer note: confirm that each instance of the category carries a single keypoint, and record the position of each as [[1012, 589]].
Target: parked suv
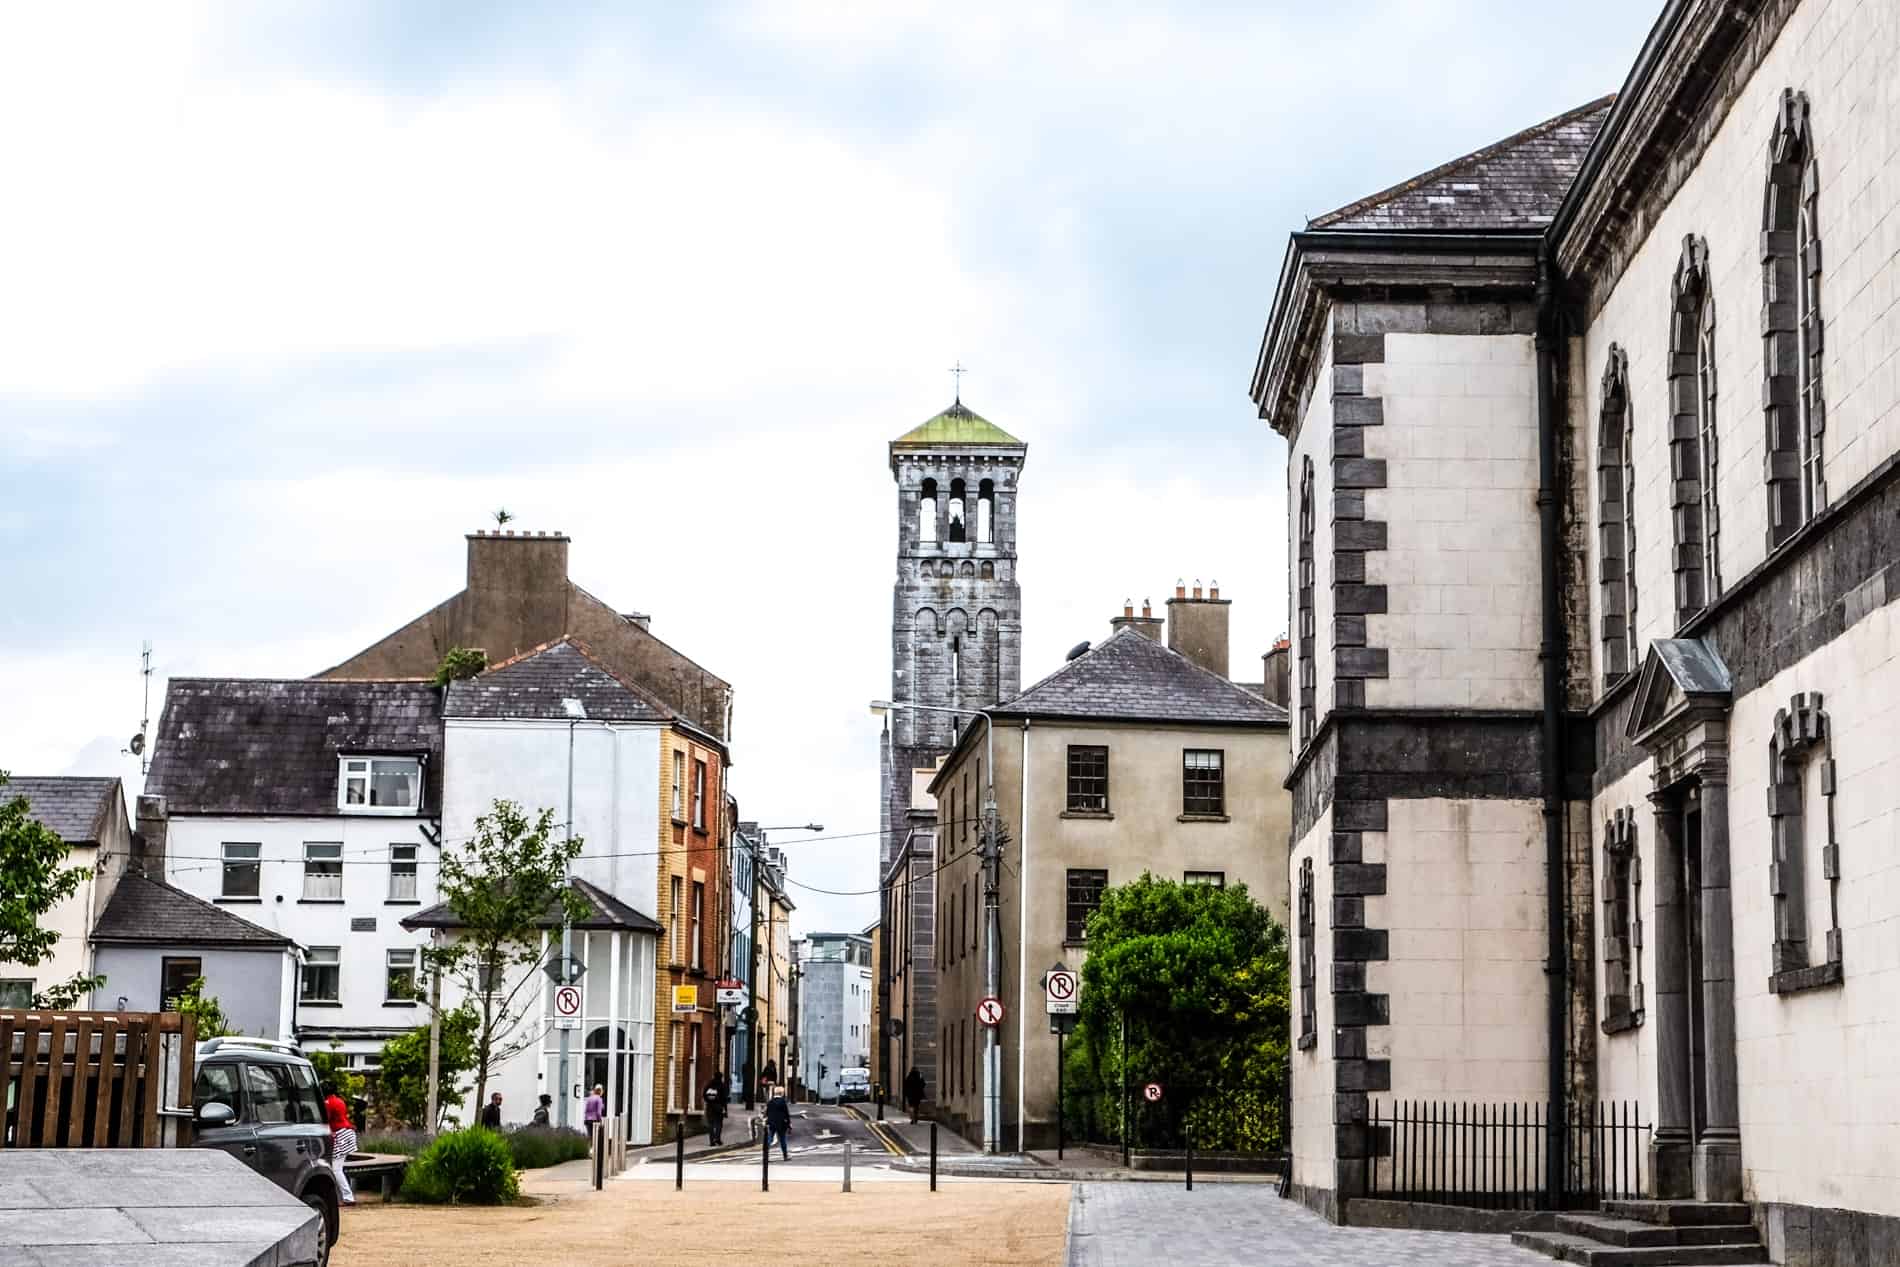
[[259, 1101]]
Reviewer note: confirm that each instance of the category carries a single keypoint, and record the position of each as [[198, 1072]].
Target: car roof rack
[[210, 1045]]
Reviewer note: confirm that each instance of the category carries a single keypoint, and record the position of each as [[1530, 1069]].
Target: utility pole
[[567, 926], [435, 1043]]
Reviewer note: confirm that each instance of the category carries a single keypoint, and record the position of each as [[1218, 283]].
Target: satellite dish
[[137, 746], [1079, 650]]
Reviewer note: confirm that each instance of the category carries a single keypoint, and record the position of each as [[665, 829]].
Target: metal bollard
[[847, 1165], [933, 1156], [765, 1162], [600, 1154], [679, 1154], [1190, 1160]]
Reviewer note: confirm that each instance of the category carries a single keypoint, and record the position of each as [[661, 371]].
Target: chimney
[[1197, 627], [1277, 671], [1148, 625], [517, 591], [148, 840]]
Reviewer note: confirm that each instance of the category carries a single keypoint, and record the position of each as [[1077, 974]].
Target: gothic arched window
[[1791, 324], [1622, 924], [1800, 787], [1616, 521], [927, 512], [1694, 450], [1309, 974], [1308, 679], [986, 511]]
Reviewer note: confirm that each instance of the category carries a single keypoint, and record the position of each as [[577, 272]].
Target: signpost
[[567, 1007], [1062, 990], [564, 969], [729, 991], [990, 1011], [686, 998]]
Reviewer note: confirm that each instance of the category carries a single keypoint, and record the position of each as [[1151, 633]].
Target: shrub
[[536, 1146], [469, 1166], [400, 1143]]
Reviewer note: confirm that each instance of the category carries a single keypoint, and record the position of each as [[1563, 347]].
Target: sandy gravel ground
[[808, 1224]]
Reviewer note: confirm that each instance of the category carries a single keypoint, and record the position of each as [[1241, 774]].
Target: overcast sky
[[293, 296]]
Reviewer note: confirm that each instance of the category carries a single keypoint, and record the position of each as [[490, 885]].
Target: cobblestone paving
[[1153, 1225]]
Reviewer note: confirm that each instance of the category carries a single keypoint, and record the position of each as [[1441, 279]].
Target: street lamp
[[992, 884]]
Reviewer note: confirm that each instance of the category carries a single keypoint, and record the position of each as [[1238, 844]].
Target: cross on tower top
[[959, 372]]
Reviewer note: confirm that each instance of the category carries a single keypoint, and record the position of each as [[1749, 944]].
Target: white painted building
[[834, 1009], [89, 815]]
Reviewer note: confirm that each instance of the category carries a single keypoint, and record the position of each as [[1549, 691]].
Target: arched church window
[[986, 511], [1309, 684], [1801, 781], [1616, 522], [989, 570], [927, 512], [1694, 450], [1792, 404], [956, 532], [967, 570], [1309, 973], [1622, 924]]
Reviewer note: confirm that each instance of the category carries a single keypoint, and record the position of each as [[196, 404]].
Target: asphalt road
[[818, 1136]]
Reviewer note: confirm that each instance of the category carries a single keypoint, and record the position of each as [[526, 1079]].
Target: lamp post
[[992, 855]]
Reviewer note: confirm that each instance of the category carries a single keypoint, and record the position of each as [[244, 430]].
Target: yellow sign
[[686, 998]]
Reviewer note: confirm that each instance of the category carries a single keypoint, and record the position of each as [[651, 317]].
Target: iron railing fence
[[1493, 1155]]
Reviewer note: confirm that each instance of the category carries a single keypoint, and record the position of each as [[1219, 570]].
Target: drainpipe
[[1553, 655]]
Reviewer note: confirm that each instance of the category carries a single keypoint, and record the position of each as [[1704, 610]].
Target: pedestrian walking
[[715, 1099], [593, 1113], [342, 1141], [778, 1121], [914, 1091], [543, 1109], [491, 1113]]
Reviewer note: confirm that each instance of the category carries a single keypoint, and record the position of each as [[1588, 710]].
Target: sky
[[292, 296]]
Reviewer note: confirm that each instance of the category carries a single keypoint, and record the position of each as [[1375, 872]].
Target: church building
[[956, 646], [1593, 472]]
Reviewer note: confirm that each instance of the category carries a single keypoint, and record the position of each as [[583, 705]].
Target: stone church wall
[[1312, 1062], [1626, 1060], [1313, 443]]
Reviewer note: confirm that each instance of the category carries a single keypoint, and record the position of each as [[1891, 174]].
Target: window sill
[[1622, 1022], [1069, 943], [238, 901], [1202, 818], [1104, 814], [701, 831], [318, 1003], [1799, 980], [319, 901], [402, 901], [679, 822], [378, 811], [1308, 1041], [400, 1003]]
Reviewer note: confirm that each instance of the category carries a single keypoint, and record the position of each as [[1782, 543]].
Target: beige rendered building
[[1131, 758]]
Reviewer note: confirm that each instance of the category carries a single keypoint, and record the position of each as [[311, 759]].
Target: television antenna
[[136, 746]]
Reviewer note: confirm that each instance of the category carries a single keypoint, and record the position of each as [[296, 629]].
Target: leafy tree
[[193, 1001], [459, 663], [403, 1082], [33, 880], [334, 1068], [504, 886], [1185, 984]]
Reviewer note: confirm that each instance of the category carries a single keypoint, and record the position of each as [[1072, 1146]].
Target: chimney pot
[[1197, 587], [1128, 607], [1180, 589], [1147, 610], [1213, 589], [510, 532]]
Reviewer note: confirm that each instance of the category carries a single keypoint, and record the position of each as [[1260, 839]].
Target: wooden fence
[[96, 1079]]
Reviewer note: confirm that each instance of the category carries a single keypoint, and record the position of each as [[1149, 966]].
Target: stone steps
[[1637, 1232], [1570, 1248], [1679, 1213], [1652, 1234]]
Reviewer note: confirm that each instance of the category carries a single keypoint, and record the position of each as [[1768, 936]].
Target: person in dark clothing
[[914, 1091], [778, 1121], [715, 1101], [542, 1110], [491, 1113]]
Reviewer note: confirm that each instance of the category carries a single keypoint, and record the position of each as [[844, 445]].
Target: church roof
[[1131, 677], [959, 424], [1516, 183]]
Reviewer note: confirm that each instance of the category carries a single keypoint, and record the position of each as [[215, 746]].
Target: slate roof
[[267, 746], [1131, 677], [606, 912], [533, 686], [959, 424], [77, 808], [144, 911], [1516, 183]]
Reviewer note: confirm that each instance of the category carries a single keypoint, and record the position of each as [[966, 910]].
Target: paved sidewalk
[[1140, 1224]]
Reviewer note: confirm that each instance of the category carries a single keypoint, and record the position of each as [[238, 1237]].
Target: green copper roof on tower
[[958, 424]]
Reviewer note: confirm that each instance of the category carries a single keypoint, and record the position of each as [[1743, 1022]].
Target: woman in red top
[[343, 1143]]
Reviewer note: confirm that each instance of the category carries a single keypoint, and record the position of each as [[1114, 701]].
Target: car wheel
[[326, 1234]]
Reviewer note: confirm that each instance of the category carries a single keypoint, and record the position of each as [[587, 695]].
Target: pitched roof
[[263, 746], [76, 808], [144, 911], [605, 911], [535, 686], [1516, 183], [1131, 677], [959, 424]]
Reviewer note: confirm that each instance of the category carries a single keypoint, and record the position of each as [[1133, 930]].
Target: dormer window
[[379, 785]]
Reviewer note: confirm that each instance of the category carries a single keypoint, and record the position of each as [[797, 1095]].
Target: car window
[[307, 1101], [218, 1084], [270, 1093]]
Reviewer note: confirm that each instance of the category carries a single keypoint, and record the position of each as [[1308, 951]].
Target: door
[[217, 1083]]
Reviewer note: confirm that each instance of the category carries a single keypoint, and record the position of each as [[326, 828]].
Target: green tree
[[460, 662], [403, 1080], [333, 1067], [33, 880], [505, 885], [1185, 984], [193, 1001]]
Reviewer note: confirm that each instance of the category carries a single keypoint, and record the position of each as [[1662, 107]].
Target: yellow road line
[[878, 1131]]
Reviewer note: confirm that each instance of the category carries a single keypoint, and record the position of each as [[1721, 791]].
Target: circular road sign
[[1152, 1093], [1061, 986], [990, 1011], [567, 1001]]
